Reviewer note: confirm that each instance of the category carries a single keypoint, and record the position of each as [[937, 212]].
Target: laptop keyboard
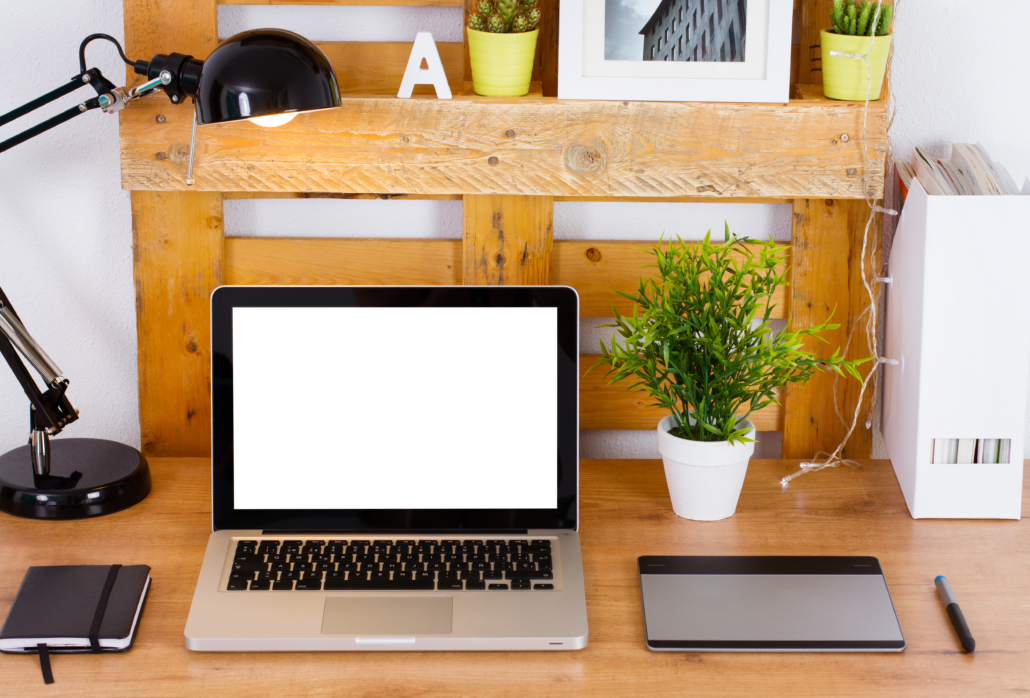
[[391, 565]]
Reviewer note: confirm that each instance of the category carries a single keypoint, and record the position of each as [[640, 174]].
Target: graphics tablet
[[767, 604]]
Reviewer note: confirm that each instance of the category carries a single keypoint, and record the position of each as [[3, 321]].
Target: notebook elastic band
[[98, 616], [44, 663]]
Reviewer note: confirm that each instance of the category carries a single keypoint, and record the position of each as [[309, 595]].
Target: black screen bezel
[[226, 516]]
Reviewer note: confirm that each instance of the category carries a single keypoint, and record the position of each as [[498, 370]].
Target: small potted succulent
[[502, 45], [700, 343], [853, 25]]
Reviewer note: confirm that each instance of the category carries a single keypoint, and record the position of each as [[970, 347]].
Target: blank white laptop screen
[[395, 408]]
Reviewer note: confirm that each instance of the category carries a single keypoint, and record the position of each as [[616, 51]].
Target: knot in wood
[[594, 254], [510, 133], [492, 160], [161, 156], [580, 158]]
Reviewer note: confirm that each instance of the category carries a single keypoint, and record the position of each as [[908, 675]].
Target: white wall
[[65, 226]]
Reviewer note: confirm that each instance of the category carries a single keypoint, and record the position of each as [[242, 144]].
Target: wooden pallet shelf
[[530, 146], [508, 161]]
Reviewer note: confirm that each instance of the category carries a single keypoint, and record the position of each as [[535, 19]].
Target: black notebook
[[77, 608]]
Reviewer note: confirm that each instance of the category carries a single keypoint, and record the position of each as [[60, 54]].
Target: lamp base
[[88, 477]]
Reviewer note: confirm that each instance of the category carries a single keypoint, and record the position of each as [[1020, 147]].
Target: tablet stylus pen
[[955, 613]]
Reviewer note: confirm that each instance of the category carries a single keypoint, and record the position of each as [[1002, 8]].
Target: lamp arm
[[51, 410]]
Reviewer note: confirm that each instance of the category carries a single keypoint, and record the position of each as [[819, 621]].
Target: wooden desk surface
[[625, 513]]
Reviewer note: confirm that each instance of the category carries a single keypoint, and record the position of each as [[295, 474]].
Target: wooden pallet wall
[[508, 160]]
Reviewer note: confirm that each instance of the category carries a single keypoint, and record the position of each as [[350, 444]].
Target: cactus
[[495, 23], [506, 9], [505, 16], [533, 15], [855, 17]]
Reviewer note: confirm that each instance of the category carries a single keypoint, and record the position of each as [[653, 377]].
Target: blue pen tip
[[940, 576]]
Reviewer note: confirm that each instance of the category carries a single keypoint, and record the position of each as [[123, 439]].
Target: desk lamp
[[268, 76], [265, 75]]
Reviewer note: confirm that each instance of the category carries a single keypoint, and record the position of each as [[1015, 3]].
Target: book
[[966, 451], [62, 606], [969, 172]]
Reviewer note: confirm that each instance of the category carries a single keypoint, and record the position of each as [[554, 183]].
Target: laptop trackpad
[[387, 615]]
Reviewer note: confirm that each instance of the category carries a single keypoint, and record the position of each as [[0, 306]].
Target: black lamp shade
[[262, 73]]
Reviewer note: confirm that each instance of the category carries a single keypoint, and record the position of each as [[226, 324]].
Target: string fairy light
[[869, 313]]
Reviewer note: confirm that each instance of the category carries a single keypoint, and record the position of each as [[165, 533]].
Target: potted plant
[[502, 45], [853, 25], [700, 343]]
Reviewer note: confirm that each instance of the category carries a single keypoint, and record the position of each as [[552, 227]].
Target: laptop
[[393, 468]]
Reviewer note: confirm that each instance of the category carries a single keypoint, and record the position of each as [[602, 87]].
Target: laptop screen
[[394, 408], [424, 402]]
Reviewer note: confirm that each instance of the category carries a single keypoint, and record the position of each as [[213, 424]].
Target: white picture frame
[[764, 75]]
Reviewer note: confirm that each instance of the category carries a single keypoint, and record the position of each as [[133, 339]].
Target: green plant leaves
[[699, 339]]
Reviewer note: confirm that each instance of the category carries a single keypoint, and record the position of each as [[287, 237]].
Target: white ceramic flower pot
[[704, 477]]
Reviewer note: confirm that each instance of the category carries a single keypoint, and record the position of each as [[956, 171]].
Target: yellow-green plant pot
[[502, 63], [845, 78]]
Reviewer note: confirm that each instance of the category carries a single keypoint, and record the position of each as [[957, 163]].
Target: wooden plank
[[820, 269], [605, 406], [377, 67], [595, 268], [815, 16], [384, 3], [598, 268], [177, 262], [507, 240], [624, 512], [341, 262], [860, 444], [529, 146], [337, 195], [458, 197], [547, 47], [177, 253], [164, 26]]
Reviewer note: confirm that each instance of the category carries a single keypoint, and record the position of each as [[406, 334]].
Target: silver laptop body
[[393, 468]]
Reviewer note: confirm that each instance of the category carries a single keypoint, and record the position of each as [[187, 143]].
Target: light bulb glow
[[273, 119]]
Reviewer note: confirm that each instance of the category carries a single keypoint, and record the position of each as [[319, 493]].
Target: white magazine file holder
[[958, 323]]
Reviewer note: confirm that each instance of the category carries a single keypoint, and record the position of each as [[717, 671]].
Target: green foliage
[[855, 17], [505, 16], [692, 343]]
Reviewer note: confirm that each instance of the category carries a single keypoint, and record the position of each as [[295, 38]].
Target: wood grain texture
[[625, 512], [547, 46], [595, 268], [507, 240], [165, 26], [860, 444], [820, 287], [377, 67], [410, 3], [611, 406], [540, 146], [598, 268], [341, 262], [177, 261]]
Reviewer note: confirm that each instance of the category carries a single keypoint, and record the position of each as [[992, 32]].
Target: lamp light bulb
[[273, 119]]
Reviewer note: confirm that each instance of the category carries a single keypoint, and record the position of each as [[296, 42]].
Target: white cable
[[870, 313]]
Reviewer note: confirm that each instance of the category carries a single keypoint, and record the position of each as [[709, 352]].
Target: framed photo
[[675, 50]]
